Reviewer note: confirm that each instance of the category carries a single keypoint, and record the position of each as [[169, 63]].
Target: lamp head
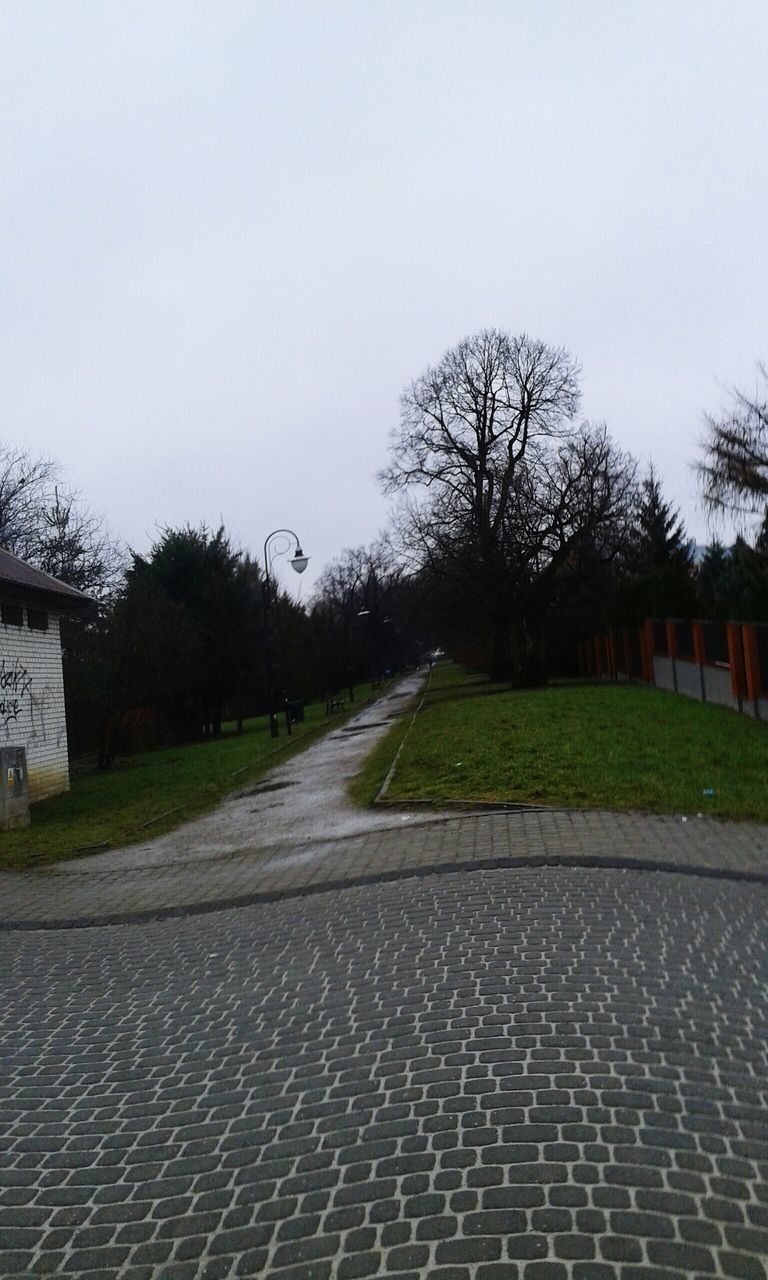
[[299, 562]]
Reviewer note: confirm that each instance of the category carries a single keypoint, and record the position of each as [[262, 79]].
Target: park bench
[[334, 702]]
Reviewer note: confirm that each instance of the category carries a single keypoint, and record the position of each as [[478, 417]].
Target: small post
[[672, 649]]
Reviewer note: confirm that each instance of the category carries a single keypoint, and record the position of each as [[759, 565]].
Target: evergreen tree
[[656, 578], [750, 571], [717, 582], [659, 539], [187, 629]]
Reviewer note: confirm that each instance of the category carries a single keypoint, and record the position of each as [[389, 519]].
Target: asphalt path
[[303, 800]]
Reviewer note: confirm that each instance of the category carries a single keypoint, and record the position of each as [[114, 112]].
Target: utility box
[[14, 788]]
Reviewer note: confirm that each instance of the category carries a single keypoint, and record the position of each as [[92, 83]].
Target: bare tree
[[568, 515], [475, 430], [734, 473], [356, 599], [467, 423], [50, 526], [25, 482]]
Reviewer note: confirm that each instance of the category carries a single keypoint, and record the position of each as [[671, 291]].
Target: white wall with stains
[[32, 703]]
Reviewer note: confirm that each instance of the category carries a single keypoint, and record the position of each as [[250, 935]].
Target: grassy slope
[[592, 746], [187, 780]]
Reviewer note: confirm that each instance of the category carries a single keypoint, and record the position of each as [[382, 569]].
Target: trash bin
[[295, 709], [14, 788]]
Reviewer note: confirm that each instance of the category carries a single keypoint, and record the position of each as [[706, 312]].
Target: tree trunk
[[500, 664], [528, 660]]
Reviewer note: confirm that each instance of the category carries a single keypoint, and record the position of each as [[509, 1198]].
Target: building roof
[[20, 580]]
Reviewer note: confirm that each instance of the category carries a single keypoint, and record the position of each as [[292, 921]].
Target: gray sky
[[232, 232]]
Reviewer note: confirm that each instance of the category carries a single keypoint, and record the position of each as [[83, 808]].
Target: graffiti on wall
[[15, 686]]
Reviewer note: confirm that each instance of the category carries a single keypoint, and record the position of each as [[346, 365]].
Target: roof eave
[[61, 602]]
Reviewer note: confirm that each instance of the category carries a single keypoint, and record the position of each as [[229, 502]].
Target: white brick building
[[31, 684]]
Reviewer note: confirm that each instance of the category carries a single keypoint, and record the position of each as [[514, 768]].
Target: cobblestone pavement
[[505, 1074], [92, 891]]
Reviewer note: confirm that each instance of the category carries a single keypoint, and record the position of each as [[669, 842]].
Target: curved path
[[295, 832], [502, 1046], [89, 892], [536, 1073]]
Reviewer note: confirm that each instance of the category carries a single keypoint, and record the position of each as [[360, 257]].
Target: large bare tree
[[503, 485], [467, 423]]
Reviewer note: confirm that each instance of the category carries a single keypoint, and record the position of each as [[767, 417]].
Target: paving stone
[[528, 1245], [741, 1266], [513, 1197], [493, 1071], [359, 1265], [440, 1228], [545, 1271], [668, 1253], [393, 1233], [620, 1249], [360, 1240], [252, 1263], [480, 1249], [407, 1257]]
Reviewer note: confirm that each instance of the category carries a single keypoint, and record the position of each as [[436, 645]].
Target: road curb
[[379, 797], [589, 862]]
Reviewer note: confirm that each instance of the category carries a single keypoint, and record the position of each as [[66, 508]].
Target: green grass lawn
[[148, 794], [605, 746]]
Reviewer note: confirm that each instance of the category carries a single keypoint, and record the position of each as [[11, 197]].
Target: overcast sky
[[232, 232]]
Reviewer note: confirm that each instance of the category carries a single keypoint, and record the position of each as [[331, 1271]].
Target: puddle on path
[[293, 859], [263, 787]]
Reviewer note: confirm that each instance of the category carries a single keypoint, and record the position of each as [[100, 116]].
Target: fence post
[[611, 648], [672, 648], [752, 665], [628, 663], [646, 650], [736, 662], [699, 655]]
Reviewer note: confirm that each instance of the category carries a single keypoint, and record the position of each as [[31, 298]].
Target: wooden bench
[[334, 702]]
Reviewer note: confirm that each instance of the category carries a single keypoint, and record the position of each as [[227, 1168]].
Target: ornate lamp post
[[299, 563]]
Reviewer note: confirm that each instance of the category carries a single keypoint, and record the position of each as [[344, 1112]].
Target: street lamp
[[299, 563]]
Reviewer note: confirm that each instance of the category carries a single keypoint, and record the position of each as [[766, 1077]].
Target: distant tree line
[[519, 529], [175, 644]]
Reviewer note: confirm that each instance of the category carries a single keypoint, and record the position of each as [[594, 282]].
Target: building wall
[[32, 703]]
